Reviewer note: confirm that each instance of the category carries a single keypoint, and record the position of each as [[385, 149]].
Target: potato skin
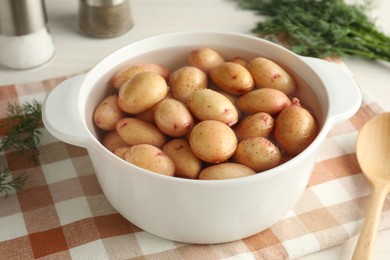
[[205, 59], [268, 74], [212, 141], [134, 131], [259, 124], [150, 158], [187, 165], [148, 115], [120, 151], [257, 153], [232, 77], [207, 104], [173, 118], [108, 113], [240, 60], [122, 76], [184, 81], [112, 140], [295, 128], [142, 92], [267, 100], [225, 171]]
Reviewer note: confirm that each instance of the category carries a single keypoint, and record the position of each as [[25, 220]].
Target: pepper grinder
[[25, 41], [105, 18]]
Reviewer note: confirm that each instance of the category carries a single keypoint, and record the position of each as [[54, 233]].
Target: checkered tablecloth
[[62, 213]]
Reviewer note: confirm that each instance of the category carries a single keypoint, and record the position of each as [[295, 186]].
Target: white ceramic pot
[[196, 211]]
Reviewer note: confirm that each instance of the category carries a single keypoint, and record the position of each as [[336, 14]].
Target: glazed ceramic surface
[[195, 211]]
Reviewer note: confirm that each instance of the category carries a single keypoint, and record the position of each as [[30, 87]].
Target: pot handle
[[60, 113], [344, 94]]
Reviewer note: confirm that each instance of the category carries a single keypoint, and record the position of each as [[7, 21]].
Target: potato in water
[[267, 100], [173, 118], [259, 124], [112, 140], [120, 151], [129, 72], [207, 104], [232, 77], [268, 74], [134, 131], [205, 59], [150, 158], [258, 153], [142, 92], [225, 171], [295, 128], [184, 81], [108, 113], [212, 141], [187, 165]]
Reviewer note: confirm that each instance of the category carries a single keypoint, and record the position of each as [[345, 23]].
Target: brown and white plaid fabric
[[63, 214]]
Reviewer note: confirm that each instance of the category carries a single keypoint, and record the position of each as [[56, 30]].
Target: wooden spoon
[[373, 154]]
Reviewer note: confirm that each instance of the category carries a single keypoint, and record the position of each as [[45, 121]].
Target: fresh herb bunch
[[20, 132], [7, 184], [22, 129], [321, 28]]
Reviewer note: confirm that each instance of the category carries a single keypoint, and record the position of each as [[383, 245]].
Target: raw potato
[[257, 153], [259, 124], [268, 74], [184, 81], [232, 77], [127, 73], [187, 165], [225, 171], [150, 158], [232, 98], [148, 115], [240, 61], [212, 141], [207, 104], [205, 59], [142, 92], [120, 151], [108, 113], [111, 140], [134, 131], [295, 128], [173, 118], [267, 100]]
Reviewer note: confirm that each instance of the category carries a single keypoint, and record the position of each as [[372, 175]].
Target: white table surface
[[76, 52]]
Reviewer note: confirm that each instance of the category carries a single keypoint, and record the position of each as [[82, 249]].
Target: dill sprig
[[19, 132], [7, 184], [21, 128], [320, 28]]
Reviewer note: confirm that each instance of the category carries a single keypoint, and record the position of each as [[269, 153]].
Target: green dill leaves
[[22, 129], [20, 133], [8, 184], [320, 28]]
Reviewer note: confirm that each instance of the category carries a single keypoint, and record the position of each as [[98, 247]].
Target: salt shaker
[[105, 18], [25, 41]]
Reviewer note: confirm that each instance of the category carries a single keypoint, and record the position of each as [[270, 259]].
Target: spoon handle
[[366, 241]]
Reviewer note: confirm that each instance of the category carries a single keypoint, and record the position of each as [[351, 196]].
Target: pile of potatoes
[[211, 119]]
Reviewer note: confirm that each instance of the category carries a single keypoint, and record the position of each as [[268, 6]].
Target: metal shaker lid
[[21, 17], [100, 3]]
